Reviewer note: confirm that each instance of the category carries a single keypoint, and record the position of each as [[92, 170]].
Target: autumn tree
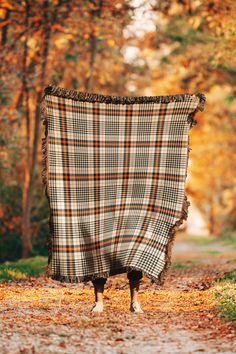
[[72, 43], [192, 50]]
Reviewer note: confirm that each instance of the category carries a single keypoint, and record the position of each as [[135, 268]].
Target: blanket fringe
[[107, 274], [200, 107], [171, 238], [159, 280], [93, 97], [186, 203], [44, 174]]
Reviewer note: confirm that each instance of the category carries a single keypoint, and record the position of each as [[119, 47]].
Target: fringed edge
[[95, 97], [171, 238], [77, 278], [44, 175], [200, 107], [159, 280], [107, 274], [186, 203]]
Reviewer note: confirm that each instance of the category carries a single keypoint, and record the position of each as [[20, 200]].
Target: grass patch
[[225, 294], [229, 240], [202, 240], [23, 268], [184, 264], [213, 252]]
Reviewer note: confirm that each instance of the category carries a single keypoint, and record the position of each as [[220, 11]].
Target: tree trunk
[[30, 171], [95, 13], [5, 28], [93, 52], [25, 225]]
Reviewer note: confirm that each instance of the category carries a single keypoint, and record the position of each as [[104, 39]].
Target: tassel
[[44, 173], [95, 97]]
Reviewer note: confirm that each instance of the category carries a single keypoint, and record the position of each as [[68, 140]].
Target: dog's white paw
[[97, 307], [135, 307]]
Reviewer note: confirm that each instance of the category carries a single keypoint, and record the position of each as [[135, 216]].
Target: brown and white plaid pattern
[[115, 181]]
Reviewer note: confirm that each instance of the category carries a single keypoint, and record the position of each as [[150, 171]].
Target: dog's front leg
[[98, 285]]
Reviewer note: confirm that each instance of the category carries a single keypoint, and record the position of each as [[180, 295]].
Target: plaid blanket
[[114, 169]]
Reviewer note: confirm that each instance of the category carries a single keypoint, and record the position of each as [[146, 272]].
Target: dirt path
[[43, 316]]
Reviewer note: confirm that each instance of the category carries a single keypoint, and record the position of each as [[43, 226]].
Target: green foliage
[[10, 243], [213, 252], [228, 235], [4, 98], [71, 57], [178, 31], [229, 239], [10, 227], [23, 268], [184, 264], [225, 294], [56, 77], [230, 99], [39, 220], [75, 83], [202, 240]]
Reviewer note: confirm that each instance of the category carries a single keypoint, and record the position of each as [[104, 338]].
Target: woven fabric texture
[[114, 169]]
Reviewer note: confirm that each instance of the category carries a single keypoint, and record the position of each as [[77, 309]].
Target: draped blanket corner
[[114, 170]]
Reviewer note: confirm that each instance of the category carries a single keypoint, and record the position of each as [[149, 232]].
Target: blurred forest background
[[121, 48]]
